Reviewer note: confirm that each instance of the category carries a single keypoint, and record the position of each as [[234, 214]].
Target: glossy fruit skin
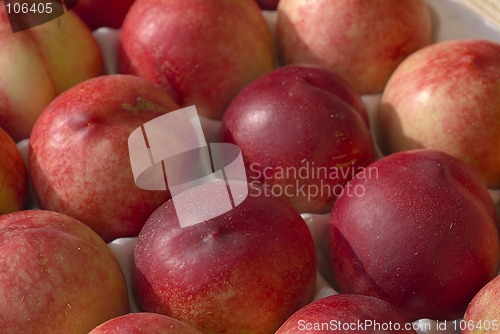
[[103, 13], [300, 117], [245, 271], [445, 97], [423, 235], [362, 314], [201, 52], [79, 157], [268, 4]]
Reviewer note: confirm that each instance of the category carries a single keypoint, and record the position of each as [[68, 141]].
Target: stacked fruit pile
[[387, 205]]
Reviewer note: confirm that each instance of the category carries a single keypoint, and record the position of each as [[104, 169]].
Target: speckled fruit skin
[[49, 59], [201, 52], [423, 236], [13, 176], [362, 41], [78, 155], [58, 276], [144, 322], [103, 13], [482, 314], [445, 97], [344, 310], [300, 116], [245, 271]]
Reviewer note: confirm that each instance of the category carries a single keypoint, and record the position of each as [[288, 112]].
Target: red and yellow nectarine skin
[[40, 63], [445, 97], [245, 271], [201, 52], [13, 176], [423, 236], [332, 314], [362, 41], [79, 161], [483, 313], [144, 322], [57, 275]]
